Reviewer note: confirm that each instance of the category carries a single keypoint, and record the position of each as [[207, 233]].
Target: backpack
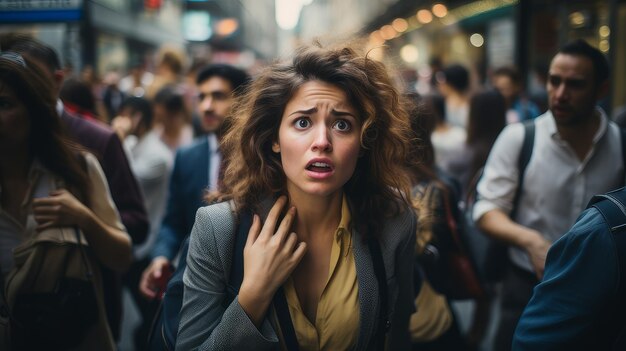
[[164, 328], [612, 207]]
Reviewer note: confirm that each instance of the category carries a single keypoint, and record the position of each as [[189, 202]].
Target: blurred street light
[[477, 40], [424, 16], [400, 25], [440, 10], [409, 53]]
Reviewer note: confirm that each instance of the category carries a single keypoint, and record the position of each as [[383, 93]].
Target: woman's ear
[[276, 147]]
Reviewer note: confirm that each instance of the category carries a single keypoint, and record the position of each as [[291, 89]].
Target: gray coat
[[205, 324]]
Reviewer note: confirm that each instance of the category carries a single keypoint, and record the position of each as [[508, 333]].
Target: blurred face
[[214, 102], [506, 87], [318, 140], [14, 120], [572, 92], [133, 116]]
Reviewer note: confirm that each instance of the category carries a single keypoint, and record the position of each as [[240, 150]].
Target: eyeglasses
[[13, 57]]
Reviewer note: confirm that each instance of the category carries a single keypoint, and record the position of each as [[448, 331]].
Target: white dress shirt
[[557, 184]]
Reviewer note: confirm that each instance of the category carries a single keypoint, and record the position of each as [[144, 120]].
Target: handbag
[[57, 319], [463, 281], [443, 256]]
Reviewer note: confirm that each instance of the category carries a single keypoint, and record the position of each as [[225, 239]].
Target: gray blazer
[[206, 324]]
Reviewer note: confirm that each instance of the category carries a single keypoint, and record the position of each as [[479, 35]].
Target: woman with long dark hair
[[47, 183]]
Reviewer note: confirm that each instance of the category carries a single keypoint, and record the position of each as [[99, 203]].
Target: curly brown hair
[[380, 185]]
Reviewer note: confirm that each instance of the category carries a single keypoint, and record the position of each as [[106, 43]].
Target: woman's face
[[14, 120], [318, 140]]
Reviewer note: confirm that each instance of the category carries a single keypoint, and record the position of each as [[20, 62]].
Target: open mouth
[[320, 167]]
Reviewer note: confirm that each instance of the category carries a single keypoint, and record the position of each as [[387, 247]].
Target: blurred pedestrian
[[78, 98], [173, 120], [45, 185], [106, 146], [453, 82], [508, 81], [151, 162], [575, 151], [447, 139], [196, 169], [487, 118]]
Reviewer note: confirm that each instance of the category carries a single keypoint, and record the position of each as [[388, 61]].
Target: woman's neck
[[316, 216]]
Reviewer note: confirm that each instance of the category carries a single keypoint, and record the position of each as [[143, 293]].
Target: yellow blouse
[[337, 321]]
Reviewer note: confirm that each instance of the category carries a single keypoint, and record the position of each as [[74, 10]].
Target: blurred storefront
[[484, 35], [104, 34]]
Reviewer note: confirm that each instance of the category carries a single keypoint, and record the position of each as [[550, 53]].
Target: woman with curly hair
[[317, 148]]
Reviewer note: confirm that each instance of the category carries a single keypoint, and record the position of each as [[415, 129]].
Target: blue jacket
[[577, 294], [189, 179]]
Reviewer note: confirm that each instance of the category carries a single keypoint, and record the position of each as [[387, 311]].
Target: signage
[[16, 11], [40, 4]]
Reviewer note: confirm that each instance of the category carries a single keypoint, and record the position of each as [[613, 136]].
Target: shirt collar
[[213, 144], [346, 218], [602, 128]]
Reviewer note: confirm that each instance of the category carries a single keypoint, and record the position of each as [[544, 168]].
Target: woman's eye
[[342, 125], [302, 123]]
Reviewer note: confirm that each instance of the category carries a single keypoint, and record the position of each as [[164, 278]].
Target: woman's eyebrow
[[305, 112]]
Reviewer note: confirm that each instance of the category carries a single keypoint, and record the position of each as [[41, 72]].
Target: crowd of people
[[353, 197]]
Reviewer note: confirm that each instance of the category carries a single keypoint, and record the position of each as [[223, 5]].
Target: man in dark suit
[[196, 169], [106, 146]]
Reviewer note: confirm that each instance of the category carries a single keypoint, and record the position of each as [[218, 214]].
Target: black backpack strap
[[284, 320], [384, 323], [236, 278], [623, 143], [524, 158], [236, 268]]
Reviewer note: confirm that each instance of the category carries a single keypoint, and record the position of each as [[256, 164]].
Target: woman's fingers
[[298, 254], [46, 210], [290, 243]]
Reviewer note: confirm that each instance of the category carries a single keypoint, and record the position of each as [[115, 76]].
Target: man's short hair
[[580, 47], [511, 72], [238, 78]]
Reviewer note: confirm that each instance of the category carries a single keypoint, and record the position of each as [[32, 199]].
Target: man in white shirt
[[577, 153]]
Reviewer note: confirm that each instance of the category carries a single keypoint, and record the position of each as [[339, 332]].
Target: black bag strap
[[524, 158], [384, 323], [241, 236], [236, 278], [284, 320], [623, 143]]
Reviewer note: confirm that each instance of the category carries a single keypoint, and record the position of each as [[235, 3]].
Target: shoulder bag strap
[[623, 143], [524, 158], [236, 278], [384, 323]]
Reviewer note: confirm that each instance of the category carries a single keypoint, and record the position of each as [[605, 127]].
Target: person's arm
[[581, 276], [496, 193], [99, 222], [500, 226], [269, 258], [125, 190]]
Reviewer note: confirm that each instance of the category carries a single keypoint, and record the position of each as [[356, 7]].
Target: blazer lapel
[[368, 291]]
